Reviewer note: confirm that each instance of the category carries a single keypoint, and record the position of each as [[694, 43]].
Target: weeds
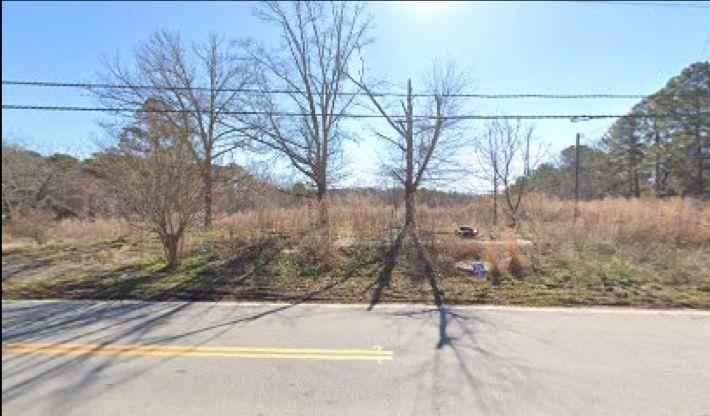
[[515, 264], [490, 255], [630, 252]]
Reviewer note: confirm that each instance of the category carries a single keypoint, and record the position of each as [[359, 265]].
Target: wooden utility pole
[[393, 194], [576, 178], [409, 188], [657, 165]]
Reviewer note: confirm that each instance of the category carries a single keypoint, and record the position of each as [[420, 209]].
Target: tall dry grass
[[515, 262], [672, 220], [36, 230], [352, 216], [271, 219], [95, 229], [614, 220], [492, 258]]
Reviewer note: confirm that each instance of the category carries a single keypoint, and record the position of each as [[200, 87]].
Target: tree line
[[643, 153]]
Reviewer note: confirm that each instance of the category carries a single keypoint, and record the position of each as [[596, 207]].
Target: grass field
[[647, 253]]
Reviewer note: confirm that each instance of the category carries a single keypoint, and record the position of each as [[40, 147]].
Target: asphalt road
[[138, 358]]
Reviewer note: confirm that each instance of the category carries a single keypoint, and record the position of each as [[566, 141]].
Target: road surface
[[140, 358]]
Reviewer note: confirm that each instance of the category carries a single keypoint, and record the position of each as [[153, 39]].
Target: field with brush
[[642, 252]]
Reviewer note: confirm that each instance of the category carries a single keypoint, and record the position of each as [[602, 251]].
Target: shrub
[[515, 264], [491, 257]]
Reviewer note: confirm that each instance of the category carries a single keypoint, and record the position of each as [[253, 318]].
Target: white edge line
[[384, 306]]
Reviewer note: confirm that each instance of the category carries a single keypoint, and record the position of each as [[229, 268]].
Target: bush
[[491, 257], [515, 264]]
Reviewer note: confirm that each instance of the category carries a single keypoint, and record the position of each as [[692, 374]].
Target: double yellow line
[[194, 351]]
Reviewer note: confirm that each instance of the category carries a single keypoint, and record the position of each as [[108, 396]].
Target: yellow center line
[[195, 351]]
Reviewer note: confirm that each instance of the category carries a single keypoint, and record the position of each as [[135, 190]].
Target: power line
[[572, 117], [98, 86]]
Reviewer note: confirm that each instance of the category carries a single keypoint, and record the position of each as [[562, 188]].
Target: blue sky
[[576, 47]]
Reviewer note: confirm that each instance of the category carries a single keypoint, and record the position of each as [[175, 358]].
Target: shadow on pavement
[[458, 343], [385, 277], [140, 322], [89, 321]]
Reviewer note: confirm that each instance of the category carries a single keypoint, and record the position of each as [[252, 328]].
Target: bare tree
[[320, 40], [152, 171], [487, 150], [504, 158], [424, 145], [200, 83]]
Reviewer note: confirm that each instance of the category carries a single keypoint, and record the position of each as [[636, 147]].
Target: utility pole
[[393, 194], [409, 188], [526, 168], [576, 178]]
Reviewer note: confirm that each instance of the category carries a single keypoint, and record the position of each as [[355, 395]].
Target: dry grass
[[34, 231], [670, 235], [642, 252], [673, 220], [492, 259], [515, 263], [616, 220], [459, 249], [354, 216], [272, 219], [447, 219], [95, 229]]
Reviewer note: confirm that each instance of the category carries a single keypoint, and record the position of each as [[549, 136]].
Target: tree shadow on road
[[390, 261], [50, 319], [124, 322], [430, 275], [385, 277], [141, 322], [457, 342]]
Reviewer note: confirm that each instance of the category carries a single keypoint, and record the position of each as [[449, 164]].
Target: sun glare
[[428, 5]]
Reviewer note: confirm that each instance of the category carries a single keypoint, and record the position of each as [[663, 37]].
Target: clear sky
[[535, 47]]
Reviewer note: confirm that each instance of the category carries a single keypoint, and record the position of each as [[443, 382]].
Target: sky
[[505, 47]]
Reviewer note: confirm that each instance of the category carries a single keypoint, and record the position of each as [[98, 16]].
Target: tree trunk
[[630, 173], [701, 180], [322, 201], [495, 201], [409, 187], [171, 244], [409, 207], [512, 208], [700, 160], [700, 163], [657, 167], [207, 178], [637, 188]]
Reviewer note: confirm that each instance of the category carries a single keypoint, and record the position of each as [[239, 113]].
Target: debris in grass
[[476, 268], [467, 232]]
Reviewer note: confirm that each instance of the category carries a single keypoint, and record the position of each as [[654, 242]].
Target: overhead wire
[[99, 86], [572, 117]]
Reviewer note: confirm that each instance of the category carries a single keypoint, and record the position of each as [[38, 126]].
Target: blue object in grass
[[479, 270]]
